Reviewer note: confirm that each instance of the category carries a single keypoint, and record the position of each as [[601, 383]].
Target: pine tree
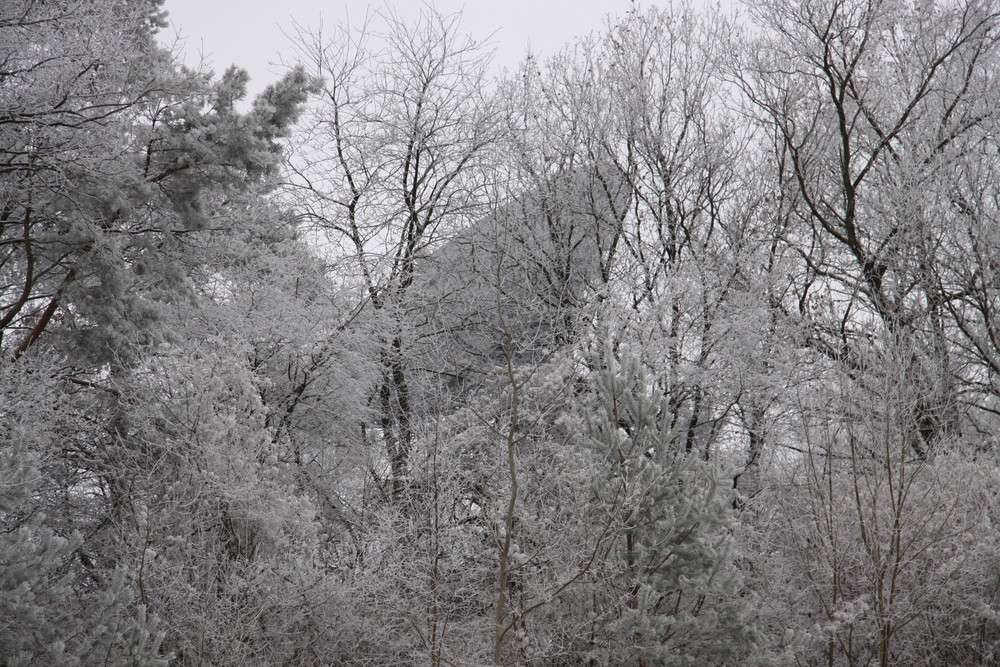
[[672, 588]]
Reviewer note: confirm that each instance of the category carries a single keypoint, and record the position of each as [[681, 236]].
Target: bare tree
[[393, 163], [866, 101]]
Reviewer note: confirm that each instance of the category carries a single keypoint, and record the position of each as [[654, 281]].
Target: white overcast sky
[[249, 32]]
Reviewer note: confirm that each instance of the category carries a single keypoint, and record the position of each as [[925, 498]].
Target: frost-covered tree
[[48, 591], [394, 159], [116, 165], [870, 108], [670, 591]]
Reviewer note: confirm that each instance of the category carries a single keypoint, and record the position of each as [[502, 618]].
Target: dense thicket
[[679, 347]]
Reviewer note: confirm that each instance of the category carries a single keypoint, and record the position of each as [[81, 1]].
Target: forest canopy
[[675, 348]]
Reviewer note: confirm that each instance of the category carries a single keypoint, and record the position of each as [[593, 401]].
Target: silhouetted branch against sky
[[251, 33]]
